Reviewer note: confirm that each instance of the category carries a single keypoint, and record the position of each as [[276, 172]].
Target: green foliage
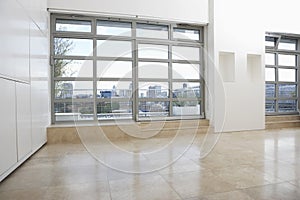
[[107, 107], [86, 110]]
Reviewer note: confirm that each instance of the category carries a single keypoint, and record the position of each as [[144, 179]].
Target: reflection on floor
[[243, 165]]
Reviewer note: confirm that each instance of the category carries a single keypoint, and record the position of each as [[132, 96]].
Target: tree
[[61, 47]]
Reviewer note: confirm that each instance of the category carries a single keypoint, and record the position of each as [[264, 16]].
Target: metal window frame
[[277, 51], [170, 42]]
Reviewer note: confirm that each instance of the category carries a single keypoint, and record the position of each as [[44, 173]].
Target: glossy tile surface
[[246, 165]]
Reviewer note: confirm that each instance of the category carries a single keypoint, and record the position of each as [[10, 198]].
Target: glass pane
[[270, 41], [270, 106], [114, 69], [113, 48], [186, 90], [286, 75], [114, 89], [154, 109], [286, 60], [287, 90], [270, 59], [152, 31], [74, 111], [73, 89], [73, 47], [185, 71], [287, 105], [153, 51], [287, 44], [190, 34], [73, 68], [73, 25], [270, 90], [114, 110], [153, 90], [114, 28], [185, 53], [186, 108], [153, 70], [269, 74]]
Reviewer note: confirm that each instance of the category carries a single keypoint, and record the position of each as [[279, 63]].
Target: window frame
[[275, 50], [135, 100]]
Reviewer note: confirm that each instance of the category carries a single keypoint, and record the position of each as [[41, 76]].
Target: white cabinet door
[[23, 120], [39, 73], [14, 40], [8, 145]]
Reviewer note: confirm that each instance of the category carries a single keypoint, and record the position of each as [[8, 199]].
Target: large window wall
[[281, 74], [107, 68]]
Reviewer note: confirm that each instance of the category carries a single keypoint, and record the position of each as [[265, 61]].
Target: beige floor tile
[[282, 170], [32, 193], [146, 188], [86, 191], [260, 164], [244, 176], [281, 191], [181, 165], [193, 184], [232, 195]]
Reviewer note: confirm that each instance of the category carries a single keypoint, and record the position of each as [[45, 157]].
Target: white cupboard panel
[[40, 112], [8, 146], [14, 40], [23, 120], [39, 64]]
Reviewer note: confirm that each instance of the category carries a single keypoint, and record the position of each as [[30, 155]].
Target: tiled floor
[[243, 165]]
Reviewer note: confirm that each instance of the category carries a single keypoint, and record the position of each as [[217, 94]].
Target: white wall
[[178, 10], [281, 16], [24, 80], [238, 33], [236, 28]]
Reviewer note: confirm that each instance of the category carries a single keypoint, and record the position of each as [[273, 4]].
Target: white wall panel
[[191, 11], [39, 85], [8, 146], [239, 104], [24, 64], [37, 11], [23, 119], [14, 41]]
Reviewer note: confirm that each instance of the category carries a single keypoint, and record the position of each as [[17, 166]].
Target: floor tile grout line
[[170, 186]]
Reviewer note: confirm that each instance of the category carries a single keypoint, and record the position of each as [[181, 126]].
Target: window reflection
[[152, 31], [287, 44], [73, 68], [73, 47], [286, 60], [113, 28], [190, 34], [114, 69], [153, 51], [65, 25], [270, 59], [286, 75]]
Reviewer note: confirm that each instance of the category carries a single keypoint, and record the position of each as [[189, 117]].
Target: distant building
[[154, 91], [67, 91], [186, 92]]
